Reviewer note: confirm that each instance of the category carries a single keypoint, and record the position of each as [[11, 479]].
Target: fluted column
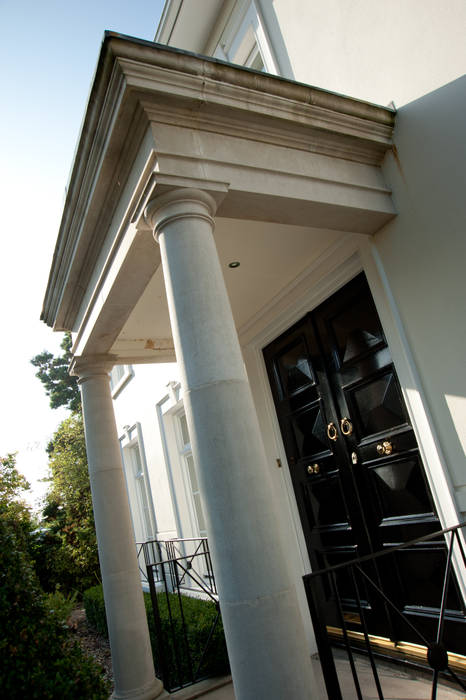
[[133, 666], [266, 643]]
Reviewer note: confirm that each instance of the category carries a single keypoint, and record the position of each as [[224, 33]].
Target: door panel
[[358, 477]]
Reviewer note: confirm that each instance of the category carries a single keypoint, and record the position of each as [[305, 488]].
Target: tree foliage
[[66, 548], [70, 550], [12, 507], [12, 483], [38, 658], [62, 388]]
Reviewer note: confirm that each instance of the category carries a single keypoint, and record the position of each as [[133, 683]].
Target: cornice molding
[[239, 108], [145, 54]]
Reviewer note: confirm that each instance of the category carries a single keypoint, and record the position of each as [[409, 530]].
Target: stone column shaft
[[133, 666], [266, 643]]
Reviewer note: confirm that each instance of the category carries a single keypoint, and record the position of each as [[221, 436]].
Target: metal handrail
[[157, 552], [174, 570], [391, 550], [437, 655]]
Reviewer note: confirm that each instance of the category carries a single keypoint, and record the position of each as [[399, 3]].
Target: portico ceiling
[[293, 170], [271, 256]]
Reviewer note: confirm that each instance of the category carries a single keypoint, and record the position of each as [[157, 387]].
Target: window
[[244, 41], [139, 495], [179, 460], [141, 492], [119, 377], [255, 59], [186, 458]]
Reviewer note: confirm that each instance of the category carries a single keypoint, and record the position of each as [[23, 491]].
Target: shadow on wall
[[424, 251]]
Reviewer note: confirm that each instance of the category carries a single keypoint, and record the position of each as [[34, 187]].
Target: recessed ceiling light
[[234, 264]]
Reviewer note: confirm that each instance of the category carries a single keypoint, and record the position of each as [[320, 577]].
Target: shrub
[[93, 600], [60, 605], [49, 563], [38, 658], [199, 616]]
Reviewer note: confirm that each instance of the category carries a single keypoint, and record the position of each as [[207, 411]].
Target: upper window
[[244, 41], [119, 377]]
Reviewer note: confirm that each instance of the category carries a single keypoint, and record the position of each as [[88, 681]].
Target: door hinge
[[279, 462]]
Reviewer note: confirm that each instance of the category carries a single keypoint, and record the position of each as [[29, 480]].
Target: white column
[[268, 651], [133, 666]]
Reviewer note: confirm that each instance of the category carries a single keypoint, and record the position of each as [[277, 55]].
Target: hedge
[[199, 616]]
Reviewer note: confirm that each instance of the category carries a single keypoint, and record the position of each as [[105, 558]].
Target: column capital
[[179, 203], [88, 366]]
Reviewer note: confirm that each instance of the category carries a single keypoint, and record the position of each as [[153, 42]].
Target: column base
[[150, 691]]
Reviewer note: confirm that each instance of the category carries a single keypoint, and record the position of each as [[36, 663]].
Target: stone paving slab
[[398, 683]]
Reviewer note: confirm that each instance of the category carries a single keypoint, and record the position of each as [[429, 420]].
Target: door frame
[[332, 270]]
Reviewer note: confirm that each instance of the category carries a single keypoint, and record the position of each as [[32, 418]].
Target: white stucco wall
[[414, 54], [375, 50], [137, 403], [423, 253]]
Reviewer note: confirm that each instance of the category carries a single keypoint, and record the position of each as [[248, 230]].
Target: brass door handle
[[332, 432], [385, 447], [313, 469], [346, 426]]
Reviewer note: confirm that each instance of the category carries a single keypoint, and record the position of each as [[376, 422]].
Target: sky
[[48, 54]]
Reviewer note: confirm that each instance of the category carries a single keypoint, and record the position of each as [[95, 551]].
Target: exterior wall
[[136, 403], [407, 52], [423, 252], [376, 51], [148, 408]]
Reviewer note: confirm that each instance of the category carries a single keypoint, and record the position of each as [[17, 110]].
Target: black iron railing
[[193, 550], [177, 571], [342, 592]]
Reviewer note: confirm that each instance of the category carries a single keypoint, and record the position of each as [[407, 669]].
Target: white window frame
[[138, 484], [184, 453], [245, 37], [169, 410], [119, 381]]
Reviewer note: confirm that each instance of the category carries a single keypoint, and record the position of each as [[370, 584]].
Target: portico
[[213, 161]]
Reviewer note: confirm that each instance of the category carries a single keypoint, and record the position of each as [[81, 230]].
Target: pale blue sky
[[48, 53]]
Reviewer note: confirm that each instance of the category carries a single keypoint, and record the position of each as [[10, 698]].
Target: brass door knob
[[385, 447], [313, 469]]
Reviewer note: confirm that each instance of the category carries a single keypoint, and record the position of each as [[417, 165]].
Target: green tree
[[66, 548], [13, 507], [54, 374], [38, 658], [70, 558], [12, 483]]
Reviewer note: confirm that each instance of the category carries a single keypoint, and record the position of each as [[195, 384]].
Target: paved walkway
[[398, 683]]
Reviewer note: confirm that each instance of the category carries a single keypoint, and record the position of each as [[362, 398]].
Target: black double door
[[358, 477]]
